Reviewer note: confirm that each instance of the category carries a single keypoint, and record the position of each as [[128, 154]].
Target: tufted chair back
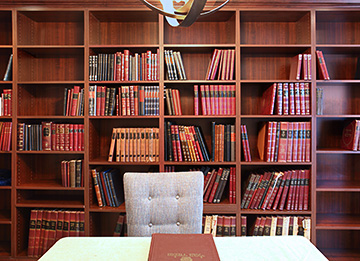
[[169, 202]]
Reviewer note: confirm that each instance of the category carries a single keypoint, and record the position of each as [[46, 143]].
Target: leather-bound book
[[183, 246]]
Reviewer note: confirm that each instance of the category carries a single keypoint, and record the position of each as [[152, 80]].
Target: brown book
[[350, 135], [32, 228], [46, 135], [112, 145], [190, 246], [243, 226]]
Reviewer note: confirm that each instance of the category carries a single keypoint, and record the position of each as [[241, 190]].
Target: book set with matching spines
[[48, 226], [223, 142], [5, 135], [72, 173], [134, 145], [350, 136], [74, 101], [245, 143], [50, 136], [281, 226], [286, 99], [285, 142], [133, 100], [219, 225], [215, 182], [184, 143], [6, 102], [174, 65], [221, 66], [108, 185], [277, 190], [124, 66], [173, 101], [300, 68], [322, 68], [214, 99]]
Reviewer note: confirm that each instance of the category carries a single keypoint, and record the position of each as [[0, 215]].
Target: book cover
[[182, 247]]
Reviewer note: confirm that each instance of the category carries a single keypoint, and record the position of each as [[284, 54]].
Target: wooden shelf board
[[338, 221], [275, 212], [49, 152], [338, 185], [341, 254], [5, 187], [336, 151], [275, 45], [336, 81], [214, 46], [5, 248], [199, 116], [51, 82], [51, 117], [123, 46], [120, 209], [273, 81], [105, 162], [46, 185], [200, 81], [5, 216], [122, 117], [338, 116], [275, 116], [221, 208], [260, 162], [50, 204], [198, 163], [122, 82]]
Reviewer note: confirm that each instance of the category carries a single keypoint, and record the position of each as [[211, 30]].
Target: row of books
[[282, 226], [221, 66], [108, 187], [5, 136], [50, 136], [124, 100], [74, 101], [350, 139], [277, 190], [134, 145], [214, 100], [219, 226], [6, 102], [121, 226], [48, 226], [173, 101], [285, 141], [286, 99], [124, 66], [223, 142], [72, 173], [245, 143], [184, 143], [8, 72], [301, 67], [174, 65], [323, 71], [215, 181], [5, 177]]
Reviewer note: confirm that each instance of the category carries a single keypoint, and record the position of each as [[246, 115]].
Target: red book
[[302, 98], [216, 99], [32, 229], [207, 98], [300, 140], [38, 228], [212, 99], [350, 136], [291, 99], [233, 100], [303, 141], [290, 142], [297, 98], [231, 180], [243, 142], [81, 146], [306, 189], [254, 190], [323, 72], [71, 137], [260, 191], [209, 188], [307, 98], [59, 225], [196, 99], [215, 186], [309, 67], [305, 67], [52, 230], [203, 100], [167, 246], [76, 137], [295, 141], [97, 188], [178, 144], [300, 204], [178, 102], [268, 101], [278, 180], [103, 99], [69, 102], [250, 186], [274, 140], [197, 143], [292, 189], [66, 225], [234, 184], [217, 62], [44, 236], [98, 100], [82, 223], [295, 202], [285, 99], [126, 64], [280, 190], [174, 143], [46, 135], [72, 229], [67, 137], [283, 146], [117, 66], [53, 136], [61, 136], [74, 100], [232, 64], [131, 99], [286, 190], [268, 141], [211, 65]]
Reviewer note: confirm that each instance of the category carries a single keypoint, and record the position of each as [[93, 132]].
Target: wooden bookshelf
[[52, 43]]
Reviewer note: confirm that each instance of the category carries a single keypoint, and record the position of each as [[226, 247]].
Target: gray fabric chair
[[169, 202]]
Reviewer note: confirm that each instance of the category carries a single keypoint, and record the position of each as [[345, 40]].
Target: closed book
[[97, 188], [8, 72], [268, 101], [283, 146], [306, 189], [59, 225], [222, 184], [116, 186], [350, 135], [191, 246], [119, 225], [32, 228]]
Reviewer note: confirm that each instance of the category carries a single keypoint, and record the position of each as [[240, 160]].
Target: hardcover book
[[182, 247]]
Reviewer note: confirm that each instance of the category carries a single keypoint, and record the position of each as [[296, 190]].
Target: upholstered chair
[[169, 202]]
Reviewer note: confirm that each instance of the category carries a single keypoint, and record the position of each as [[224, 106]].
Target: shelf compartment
[[38, 171], [219, 28], [342, 203], [50, 27], [50, 198], [268, 63], [123, 169], [5, 161], [329, 134], [275, 27], [341, 62], [4, 59], [196, 61], [5, 206], [338, 172], [136, 27], [100, 131], [5, 240], [340, 98], [339, 244], [337, 27], [337, 222], [5, 28], [50, 64], [103, 223], [41, 100]]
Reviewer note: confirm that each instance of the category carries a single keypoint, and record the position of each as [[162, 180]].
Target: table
[[229, 248]]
